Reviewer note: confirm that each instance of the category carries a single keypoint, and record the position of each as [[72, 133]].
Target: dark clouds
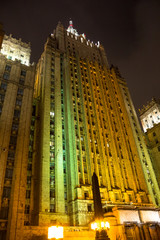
[[128, 29]]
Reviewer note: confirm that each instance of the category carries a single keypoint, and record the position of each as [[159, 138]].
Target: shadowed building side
[[98, 212]]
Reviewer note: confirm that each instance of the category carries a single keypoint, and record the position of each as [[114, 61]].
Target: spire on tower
[[71, 29], [71, 23]]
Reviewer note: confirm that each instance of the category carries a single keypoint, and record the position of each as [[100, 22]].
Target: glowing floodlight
[[94, 226], [107, 225], [55, 232], [100, 225]]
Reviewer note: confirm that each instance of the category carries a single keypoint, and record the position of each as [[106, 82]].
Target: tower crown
[[71, 29]]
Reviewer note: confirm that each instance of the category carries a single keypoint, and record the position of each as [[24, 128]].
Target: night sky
[[128, 29]]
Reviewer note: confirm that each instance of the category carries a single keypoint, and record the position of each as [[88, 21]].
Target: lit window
[[52, 114]]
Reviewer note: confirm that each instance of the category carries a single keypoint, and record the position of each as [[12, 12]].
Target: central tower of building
[[85, 123]]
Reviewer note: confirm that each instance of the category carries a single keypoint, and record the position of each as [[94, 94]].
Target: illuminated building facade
[[15, 49], [150, 114], [150, 120], [16, 94], [82, 121], [87, 123]]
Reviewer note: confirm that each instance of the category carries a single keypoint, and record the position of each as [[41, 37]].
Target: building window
[[29, 167], [28, 192], [4, 86], [9, 173], [6, 192], [154, 134], [20, 91], [130, 197], [23, 73], [27, 208], [86, 195], [8, 68], [28, 179], [18, 102], [89, 207], [16, 113], [116, 196], [21, 81], [52, 194], [6, 76], [13, 140], [52, 208]]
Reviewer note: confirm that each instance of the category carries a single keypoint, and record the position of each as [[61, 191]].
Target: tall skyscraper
[[82, 120], [87, 123], [16, 94]]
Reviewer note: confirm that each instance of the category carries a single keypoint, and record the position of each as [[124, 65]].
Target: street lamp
[[55, 232], [101, 228]]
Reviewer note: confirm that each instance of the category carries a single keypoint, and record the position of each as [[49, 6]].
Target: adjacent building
[[16, 94], [150, 114], [150, 119]]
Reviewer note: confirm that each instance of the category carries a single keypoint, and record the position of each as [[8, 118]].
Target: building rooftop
[[150, 104], [15, 49]]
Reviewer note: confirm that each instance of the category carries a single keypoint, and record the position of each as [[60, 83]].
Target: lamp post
[[55, 232], [99, 225], [101, 229]]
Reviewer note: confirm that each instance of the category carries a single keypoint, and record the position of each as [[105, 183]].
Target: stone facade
[[81, 120], [15, 49], [87, 123], [16, 94], [150, 114], [150, 120]]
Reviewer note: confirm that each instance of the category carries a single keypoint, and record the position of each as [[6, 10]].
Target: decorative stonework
[[16, 49]]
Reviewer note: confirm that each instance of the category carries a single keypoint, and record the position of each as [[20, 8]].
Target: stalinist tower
[[86, 123], [81, 120]]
